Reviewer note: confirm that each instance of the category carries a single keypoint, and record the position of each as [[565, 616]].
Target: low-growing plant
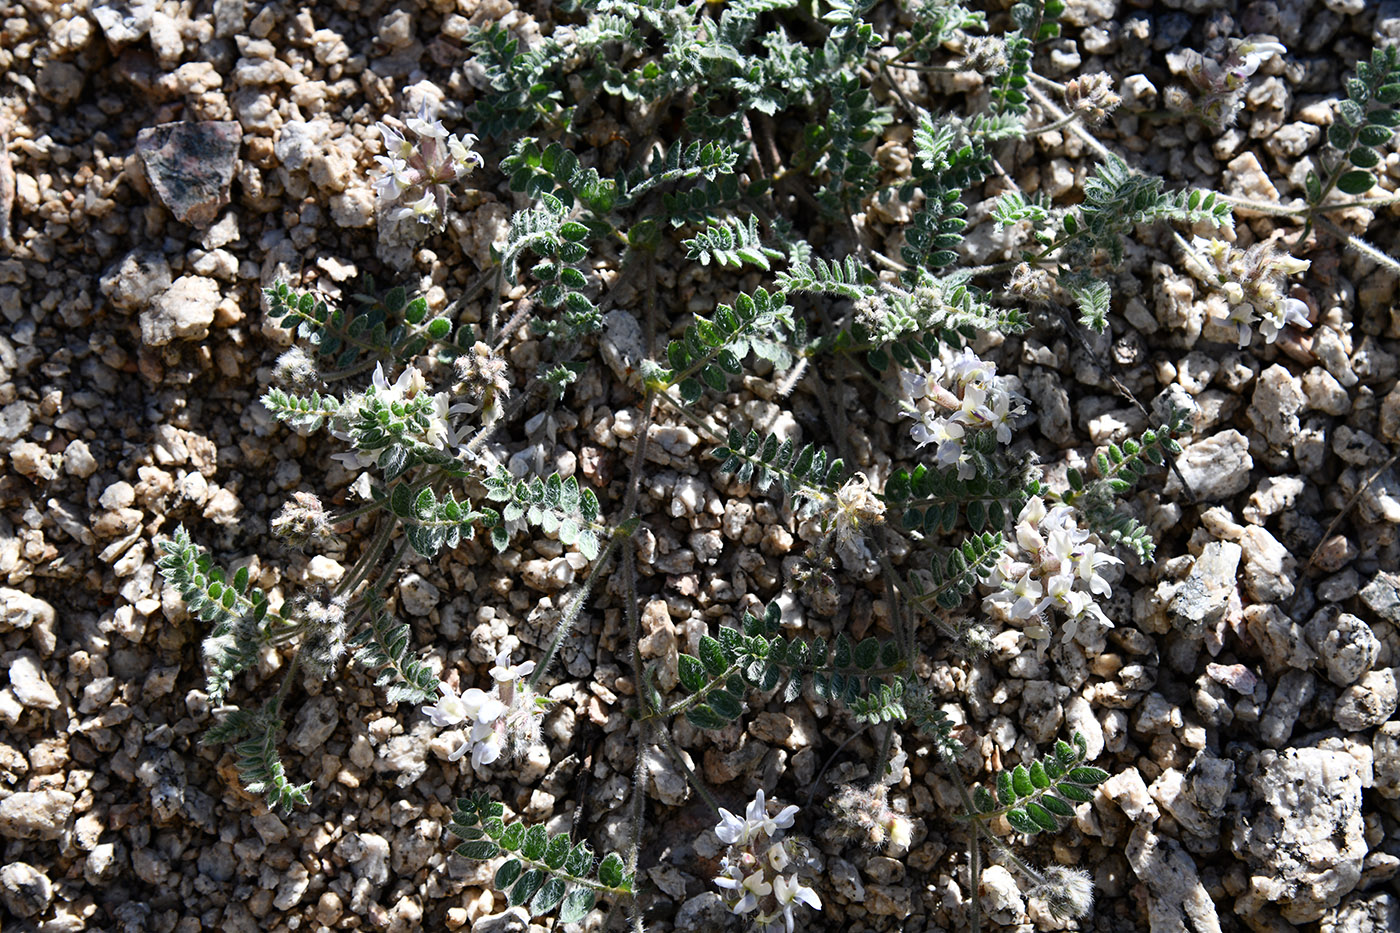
[[964, 532]]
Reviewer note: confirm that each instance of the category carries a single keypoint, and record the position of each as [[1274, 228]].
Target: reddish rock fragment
[[191, 165]]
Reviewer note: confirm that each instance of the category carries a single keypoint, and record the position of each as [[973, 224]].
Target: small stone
[[665, 779], [124, 21], [316, 721], [516, 920], [1385, 748], [1277, 399], [1001, 896], [1269, 568], [1324, 393], [1346, 644], [78, 459], [417, 596], [298, 142], [1293, 691], [191, 166], [28, 683], [19, 610], [60, 82], [1382, 596], [622, 344], [25, 889], [1304, 840], [1245, 177], [1129, 791], [38, 814], [704, 911], [1274, 495], [136, 279], [1176, 898], [1369, 702], [353, 207], [183, 311], [15, 421], [1201, 602], [1216, 467]]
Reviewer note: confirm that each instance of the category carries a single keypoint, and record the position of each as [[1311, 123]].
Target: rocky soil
[[1244, 702]]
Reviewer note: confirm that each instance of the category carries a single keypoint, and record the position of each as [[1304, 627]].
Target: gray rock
[[183, 311], [136, 279], [1385, 750], [15, 421], [1375, 912], [230, 17], [28, 682], [35, 814], [1324, 393], [666, 780], [1294, 690], [1215, 467], [1305, 839], [316, 721], [19, 610], [1386, 30], [1200, 603], [1176, 899], [1268, 566], [1382, 596], [368, 855], [298, 142], [515, 920], [1369, 702], [1346, 644], [191, 166], [124, 21], [417, 596], [1278, 398], [25, 889], [622, 344], [704, 911]]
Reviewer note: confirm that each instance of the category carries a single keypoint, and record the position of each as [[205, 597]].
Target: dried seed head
[[985, 55], [302, 521], [1067, 892], [1092, 97], [481, 372], [296, 371]]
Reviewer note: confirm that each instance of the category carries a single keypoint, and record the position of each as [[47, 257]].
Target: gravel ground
[[1244, 703]]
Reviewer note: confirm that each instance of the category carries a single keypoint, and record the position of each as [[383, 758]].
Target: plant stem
[[566, 621], [690, 775]]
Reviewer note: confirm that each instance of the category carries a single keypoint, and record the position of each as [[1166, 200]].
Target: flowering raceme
[[507, 718], [959, 395], [1059, 569], [754, 873], [1250, 287], [405, 398], [413, 188]]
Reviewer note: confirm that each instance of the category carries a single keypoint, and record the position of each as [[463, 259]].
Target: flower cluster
[[856, 507], [757, 874], [864, 814], [958, 396], [507, 718], [413, 188], [425, 416], [1059, 569], [1219, 85], [1249, 287]]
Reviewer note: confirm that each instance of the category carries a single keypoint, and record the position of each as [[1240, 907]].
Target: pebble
[[1324, 393], [191, 166], [35, 815], [19, 610], [1129, 791], [516, 920], [28, 682], [1347, 646], [183, 311], [1201, 602], [124, 21], [1001, 896], [316, 721], [1304, 840], [1274, 407], [417, 596], [78, 459], [1385, 747], [26, 890], [623, 345], [1368, 702], [1176, 898], [1382, 596], [1269, 567], [1216, 467], [134, 280], [1293, 691]]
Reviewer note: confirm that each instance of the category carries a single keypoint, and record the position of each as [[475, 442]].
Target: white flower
[[790, 892], [901, 831], [463, 158], [1255, 54], [760, 820], [505, 672], [731, 829], [482, 706], [755, 886], [778, 857], [1285, 312], [487, 750], [449, 711], [424, 125], [397, 177], [425, 208]]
